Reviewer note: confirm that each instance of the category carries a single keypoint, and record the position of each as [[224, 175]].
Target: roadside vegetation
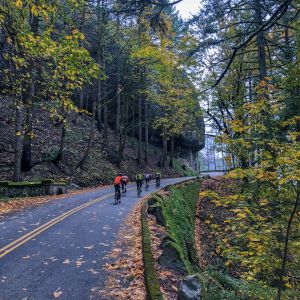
[[134, 86]]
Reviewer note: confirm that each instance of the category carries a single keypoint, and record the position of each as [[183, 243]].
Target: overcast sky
[[187, 7]]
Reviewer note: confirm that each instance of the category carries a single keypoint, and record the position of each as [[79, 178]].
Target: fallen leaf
[[57, 293], [89, 247], [103, 244], [67, 261]]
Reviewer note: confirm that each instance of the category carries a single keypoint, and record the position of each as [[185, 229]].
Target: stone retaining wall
[[11, 189]]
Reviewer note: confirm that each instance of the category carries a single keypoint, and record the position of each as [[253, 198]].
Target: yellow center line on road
[[30, 235]]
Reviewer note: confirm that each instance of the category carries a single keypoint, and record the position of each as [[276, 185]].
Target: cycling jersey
[[138, 177], [118, 180], [125, 179]]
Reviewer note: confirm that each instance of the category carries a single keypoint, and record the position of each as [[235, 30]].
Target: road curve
[[59, 248]]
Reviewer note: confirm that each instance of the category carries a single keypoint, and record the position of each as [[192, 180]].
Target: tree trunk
[[61, 145], [81, 98], [99, 61], [164, 152], [26, 161], [118, 113], [140, 131], [99, 107], [172, 153], [18, 141], [146, 131], [286, 243], [133, 128], [122, 140], [91, 137], [260, 40]]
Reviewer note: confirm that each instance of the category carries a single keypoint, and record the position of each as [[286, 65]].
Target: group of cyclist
[[121, 181]]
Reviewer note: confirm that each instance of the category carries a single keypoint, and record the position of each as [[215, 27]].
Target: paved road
[[61, 245]]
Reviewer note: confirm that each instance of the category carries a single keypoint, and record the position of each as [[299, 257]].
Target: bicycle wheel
[[119, 197]]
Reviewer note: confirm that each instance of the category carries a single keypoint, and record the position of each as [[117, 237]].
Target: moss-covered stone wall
[[175, 209], [12, 189]]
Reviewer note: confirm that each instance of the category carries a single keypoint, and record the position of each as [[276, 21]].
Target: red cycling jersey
[[118, 180]]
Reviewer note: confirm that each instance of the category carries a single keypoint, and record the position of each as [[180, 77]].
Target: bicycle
[[147, 186], [157, 182], [117, 196], [139, 191], [124, 190]]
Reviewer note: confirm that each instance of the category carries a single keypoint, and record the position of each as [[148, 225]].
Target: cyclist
[[139, 182], [125, 180], [147, 180], [157, 178], [117, 183]]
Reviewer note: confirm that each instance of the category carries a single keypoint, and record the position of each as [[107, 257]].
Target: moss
[[150, 276], [61, 182], [4, 183], [179, 212], [47, 181], [22, 184]]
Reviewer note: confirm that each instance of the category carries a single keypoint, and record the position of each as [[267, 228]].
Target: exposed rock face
[[170, 256], [190, 288], [191, 142], [188, 144], [154, 208]]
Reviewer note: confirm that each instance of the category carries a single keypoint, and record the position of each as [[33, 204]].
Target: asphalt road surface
[[61, 246]]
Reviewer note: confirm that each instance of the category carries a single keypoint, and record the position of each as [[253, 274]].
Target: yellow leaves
[[237, 173], [34, 10], [237, 126], [18, 133], [266, 175], [241, 215], [228, 263], [209, 193], [214, 226], [263, 202], [19, 3], [217, 202]]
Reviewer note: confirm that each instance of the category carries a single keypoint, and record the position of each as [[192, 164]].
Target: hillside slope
[[98, 168]]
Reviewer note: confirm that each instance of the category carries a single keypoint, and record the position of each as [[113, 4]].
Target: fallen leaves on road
[[125, 263], [21, 203], [79, 262]]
